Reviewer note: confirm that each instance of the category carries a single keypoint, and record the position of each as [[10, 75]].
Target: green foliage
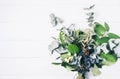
[[67, 66], [102, 40], [55, 63], [99, 29], [107, 26], [108, 57], [112, 35], [72, 48], [95, 37]]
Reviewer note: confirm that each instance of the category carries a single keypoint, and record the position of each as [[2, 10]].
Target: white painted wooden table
[[25, 32]]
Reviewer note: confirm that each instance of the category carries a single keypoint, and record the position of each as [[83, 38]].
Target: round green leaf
[[99, 29], [108, 57], [111, 58], [72, 48]]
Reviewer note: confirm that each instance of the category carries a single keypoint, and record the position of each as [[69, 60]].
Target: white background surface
[[25, 32]]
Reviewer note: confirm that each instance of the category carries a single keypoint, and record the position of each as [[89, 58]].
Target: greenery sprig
[[90, 15]]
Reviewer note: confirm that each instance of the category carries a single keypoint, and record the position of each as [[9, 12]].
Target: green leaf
[[55, 63], [102, 55], [102, 40], [99, 29], [112, 35], [106, 26], [108, 57], [111, 58], [72, 48], [67, 66], [104, 62], [95, 37]]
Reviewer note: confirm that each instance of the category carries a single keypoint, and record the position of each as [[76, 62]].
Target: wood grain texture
[[25, 32]]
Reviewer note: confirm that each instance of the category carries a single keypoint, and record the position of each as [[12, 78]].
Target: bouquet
[[86, 50]]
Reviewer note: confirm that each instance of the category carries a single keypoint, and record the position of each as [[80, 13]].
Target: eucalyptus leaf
[[112, 35], [89, 8], [107, 26], [54, 21], [72, 48], [99, 29]]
